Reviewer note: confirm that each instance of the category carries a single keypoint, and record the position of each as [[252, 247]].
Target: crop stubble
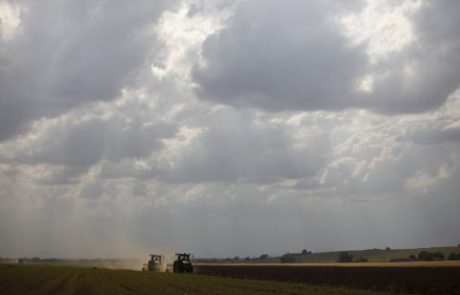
[[38, 280]]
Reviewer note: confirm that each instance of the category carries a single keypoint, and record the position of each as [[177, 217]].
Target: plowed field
[[425, 278]]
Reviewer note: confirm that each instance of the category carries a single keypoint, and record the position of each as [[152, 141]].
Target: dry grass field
[[38, 280]]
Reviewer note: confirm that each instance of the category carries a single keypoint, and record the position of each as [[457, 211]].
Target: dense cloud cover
[[66, 53], [298, 55], [227, 127]]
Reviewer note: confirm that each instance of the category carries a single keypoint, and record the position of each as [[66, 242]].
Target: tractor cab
[[182, 264], [155, 263]]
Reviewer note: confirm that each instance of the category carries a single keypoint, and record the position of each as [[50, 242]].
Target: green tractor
[[156, 263], [182, 264]]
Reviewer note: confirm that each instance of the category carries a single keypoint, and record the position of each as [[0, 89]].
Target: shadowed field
[[26, 279], [421, 278]]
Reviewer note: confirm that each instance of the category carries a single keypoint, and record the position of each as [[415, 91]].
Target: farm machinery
[[156, 263], [182, 264]]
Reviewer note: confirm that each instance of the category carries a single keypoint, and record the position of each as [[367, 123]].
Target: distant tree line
[[292, 257], [434, 256], [430, 256], [345, 257], [454, 256]]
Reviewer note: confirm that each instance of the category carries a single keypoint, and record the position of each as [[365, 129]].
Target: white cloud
[[384, 27], [10, 19]]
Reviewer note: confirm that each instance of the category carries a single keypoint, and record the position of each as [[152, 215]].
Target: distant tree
[[454, 256], [425, 256], [247, 258], [413, 257], [387, 248], [236, 258], [345, 257], [438, 256], [429, 256], [361, 259], [263, 256], [304, 252]]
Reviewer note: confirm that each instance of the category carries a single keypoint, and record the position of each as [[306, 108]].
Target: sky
[[228, 127]]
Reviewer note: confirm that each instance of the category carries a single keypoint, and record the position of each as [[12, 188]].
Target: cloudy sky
[[228, 127]]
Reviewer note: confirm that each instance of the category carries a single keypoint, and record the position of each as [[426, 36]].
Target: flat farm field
[[36, 280]]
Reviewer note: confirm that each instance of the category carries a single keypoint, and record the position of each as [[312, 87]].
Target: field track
[[421, 278], [41, 279]]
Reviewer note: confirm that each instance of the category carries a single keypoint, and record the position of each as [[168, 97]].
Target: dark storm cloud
[[281, 55], [68, 53], [293, 55]]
